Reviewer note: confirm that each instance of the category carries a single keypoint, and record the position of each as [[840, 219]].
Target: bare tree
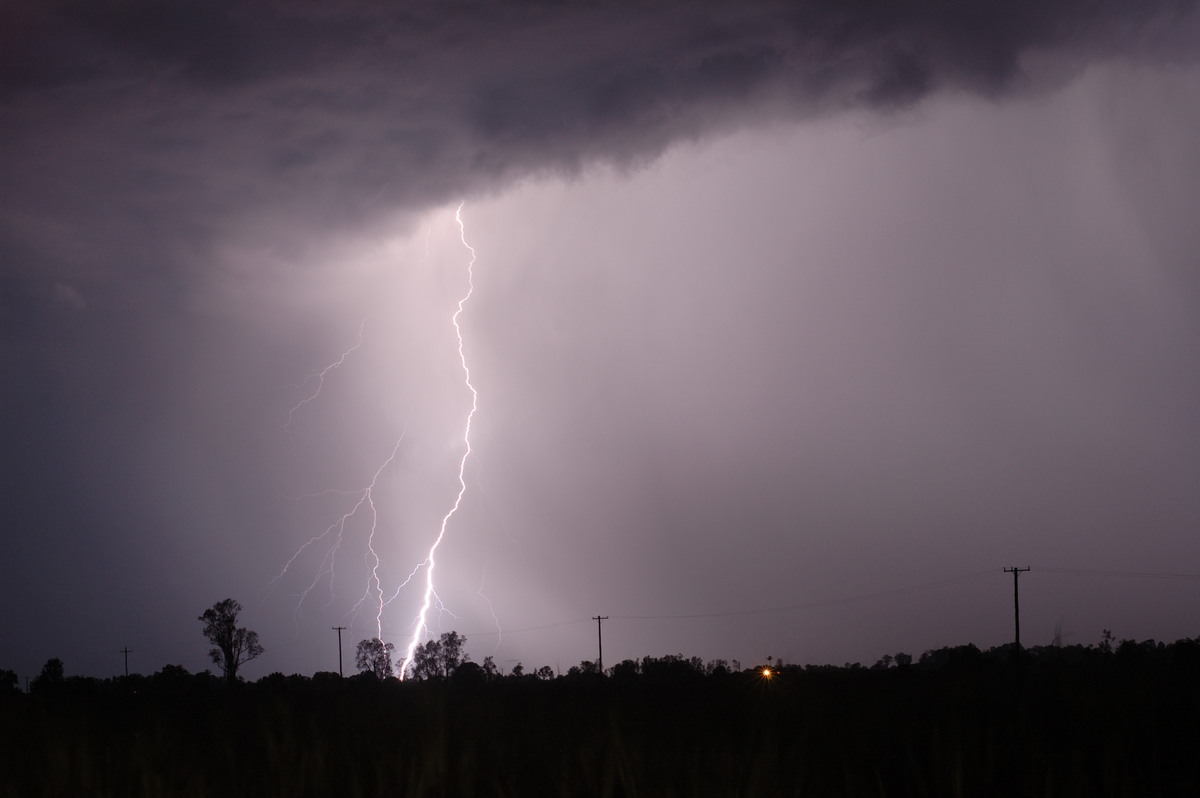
[[232, 645], [374, 656]]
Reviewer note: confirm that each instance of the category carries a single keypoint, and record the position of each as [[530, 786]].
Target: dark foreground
[[1065, 722]]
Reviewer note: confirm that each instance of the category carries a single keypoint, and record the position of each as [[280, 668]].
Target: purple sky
[[780, 310]]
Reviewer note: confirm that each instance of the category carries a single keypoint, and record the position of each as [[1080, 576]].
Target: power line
[[758, 611], [1128, 574], [850, 599], [814, 604], [493, 633]]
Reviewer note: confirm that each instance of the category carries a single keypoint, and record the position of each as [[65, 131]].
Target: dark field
[[1050, 722]]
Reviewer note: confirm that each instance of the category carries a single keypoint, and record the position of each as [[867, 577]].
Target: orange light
[[766, 673]]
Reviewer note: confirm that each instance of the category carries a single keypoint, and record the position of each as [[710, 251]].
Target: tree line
[[445, 659]]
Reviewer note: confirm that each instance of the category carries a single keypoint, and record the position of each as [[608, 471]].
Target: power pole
[[600, 639], [339, 629], [126, 652], [1016, 572]]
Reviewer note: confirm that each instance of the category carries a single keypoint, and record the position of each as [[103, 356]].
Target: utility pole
[[339, 629], [126, 652], [600, 639], [1016, 572]]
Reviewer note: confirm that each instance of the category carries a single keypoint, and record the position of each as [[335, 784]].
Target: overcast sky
[[793, 324]]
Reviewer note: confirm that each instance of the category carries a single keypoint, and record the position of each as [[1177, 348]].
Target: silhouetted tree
[[173, 673], [585, 668], [671, 667], [374, 656], [721, 667], [438, 659], [50, 678], [9, 683], [545, 673], [624, 671], [174, 679], [233, 645], [468, 674]]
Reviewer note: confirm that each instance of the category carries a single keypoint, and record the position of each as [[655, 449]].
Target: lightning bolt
[[430, 563], [362, 500], [319, 376], [374, 585], [337, 531]]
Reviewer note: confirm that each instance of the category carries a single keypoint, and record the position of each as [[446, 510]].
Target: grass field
[[1062, 722]]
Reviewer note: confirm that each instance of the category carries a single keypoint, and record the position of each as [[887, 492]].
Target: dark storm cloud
[[737, 44], [122, 119]]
